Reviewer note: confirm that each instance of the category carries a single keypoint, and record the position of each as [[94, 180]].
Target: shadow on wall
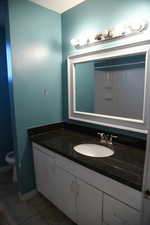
[[5, 120]]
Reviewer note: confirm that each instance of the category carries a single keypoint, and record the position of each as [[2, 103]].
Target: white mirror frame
[[107, 120]]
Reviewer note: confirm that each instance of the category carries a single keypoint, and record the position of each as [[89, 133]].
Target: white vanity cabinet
[[117, 213], [89, 204], [65, 193], [83, 195], [78, 200], [45, 173]]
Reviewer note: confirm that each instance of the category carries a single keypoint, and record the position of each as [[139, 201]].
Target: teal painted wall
[[93, 16], [34, 63], [35, 76], [5, 120], [85, 86]]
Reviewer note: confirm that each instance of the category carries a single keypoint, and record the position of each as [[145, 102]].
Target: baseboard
[[28, 195], [5, 169]]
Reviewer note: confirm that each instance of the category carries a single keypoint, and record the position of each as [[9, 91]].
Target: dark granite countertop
[[125, 166]]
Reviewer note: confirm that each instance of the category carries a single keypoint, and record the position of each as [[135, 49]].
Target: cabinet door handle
[[77, 189], [72, 187], [121, 220]]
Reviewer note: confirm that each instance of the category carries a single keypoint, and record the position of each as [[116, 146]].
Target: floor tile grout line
[[27, 219], [38, 207]]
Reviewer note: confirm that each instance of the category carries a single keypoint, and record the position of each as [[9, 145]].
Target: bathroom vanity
[[89, 190], [111, 88]]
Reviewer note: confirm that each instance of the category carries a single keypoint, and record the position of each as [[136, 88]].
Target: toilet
[[10, 159]]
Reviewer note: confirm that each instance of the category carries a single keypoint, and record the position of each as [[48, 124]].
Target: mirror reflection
[[113, 87]]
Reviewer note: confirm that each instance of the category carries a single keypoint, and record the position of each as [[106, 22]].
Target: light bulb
[[83, 41], [75, 42], [91, 38]]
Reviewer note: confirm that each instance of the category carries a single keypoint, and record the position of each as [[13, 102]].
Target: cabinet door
[[45, 174], [146, 186], [65, 193], [117, 213], [89, 205]]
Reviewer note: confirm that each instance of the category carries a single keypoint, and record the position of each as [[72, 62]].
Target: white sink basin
[[93, 150]]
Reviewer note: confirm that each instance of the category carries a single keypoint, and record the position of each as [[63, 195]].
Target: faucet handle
[[102, 137], [111, 138]]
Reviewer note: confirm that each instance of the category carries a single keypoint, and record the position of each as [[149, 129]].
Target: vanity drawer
[[43, 149], [117, 213]]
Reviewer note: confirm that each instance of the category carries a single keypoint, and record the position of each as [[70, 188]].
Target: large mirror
[[110, 88]]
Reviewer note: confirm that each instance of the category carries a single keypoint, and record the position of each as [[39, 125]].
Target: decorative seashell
[[118, 31], [105, 33], [91, 38], [115, 34], [110, 34], [98, 36], [103, 38]]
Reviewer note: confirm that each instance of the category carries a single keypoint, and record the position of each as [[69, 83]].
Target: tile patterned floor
[[36, 211]]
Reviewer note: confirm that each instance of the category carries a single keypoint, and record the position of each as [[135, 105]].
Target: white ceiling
[[59, 6]]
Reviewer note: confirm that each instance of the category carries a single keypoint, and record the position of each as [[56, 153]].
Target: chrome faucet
[[106, 138], [110, 139]]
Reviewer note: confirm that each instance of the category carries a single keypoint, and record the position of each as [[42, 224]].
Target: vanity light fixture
[[120, 31]]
